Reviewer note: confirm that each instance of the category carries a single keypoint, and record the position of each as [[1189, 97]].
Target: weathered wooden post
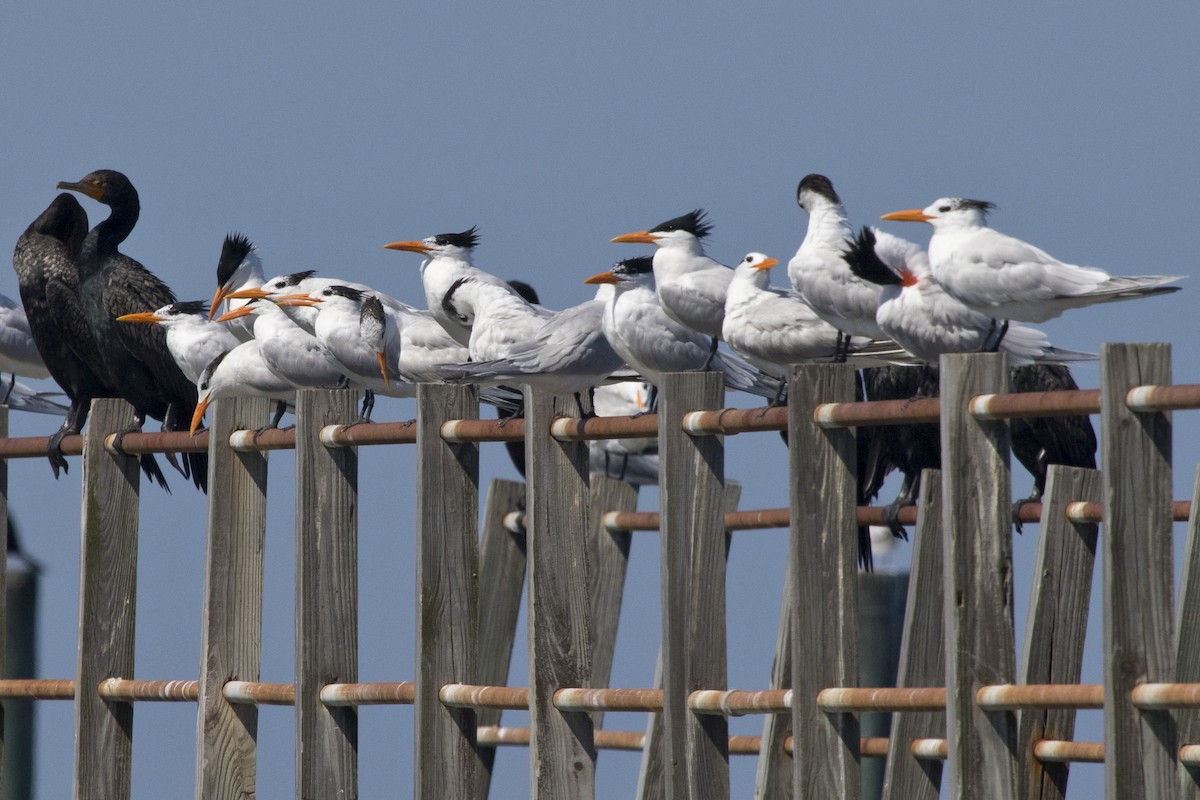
[[1057, 622], [824, 589], [561, 749], [1140, 758], [326, 596], [922, 653], [446, 763], [231, 624], [609, 563], [107, 602], [1187, 640]]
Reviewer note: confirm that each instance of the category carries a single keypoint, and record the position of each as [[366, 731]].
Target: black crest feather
[[527, 292], [638, 265], [295, 278], [233, 253], [194, 307], [694, 222], [466, 239], [345, 291]]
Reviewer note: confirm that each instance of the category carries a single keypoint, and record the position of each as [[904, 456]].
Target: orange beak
[[142, 316], [218, 298], [381, 356], [247, 294], [767, 263], [909, 215], [637, 237], [237, 313], [604, 277], [198, 416], [299, 299], [412, 247]]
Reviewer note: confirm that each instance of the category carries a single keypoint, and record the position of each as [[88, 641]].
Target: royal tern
[[18, 352], [923, 318], [634, 461], [498, 317], [288, 350], [654, 343], [44, 262], [242, 372], [447, 261], [772, 328], [691, 286], [818, 272], [194, 340], [112, 284], [1009, 279], [239, 268]]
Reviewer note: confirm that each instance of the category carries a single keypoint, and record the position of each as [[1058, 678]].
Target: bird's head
[[443, 244], [105, 185]]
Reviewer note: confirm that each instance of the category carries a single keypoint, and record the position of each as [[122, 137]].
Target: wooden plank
[[610, 560], [446, 763], [501, 578], [326, 596], [231, 625], [922, 653], [824, 567], [107, 604], [977, 517], [652, 773], [561, 749], [1187, 639], [1141, 757], [1056, 622], [773, 773], [702, 460]]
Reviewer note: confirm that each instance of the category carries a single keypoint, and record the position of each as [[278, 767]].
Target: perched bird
[[691, 286], [1008, 279], [289, 351], [18, 352], [819, 273], [111, 285], [447, 261], [1038, 442], [922, 317], [772, 328], [653, 343], [242, 372], [499, 318], [194, 340], [634, 461], [238, 268], [49, 283], [24, 398]]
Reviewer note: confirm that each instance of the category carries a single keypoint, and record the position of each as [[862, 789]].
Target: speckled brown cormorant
[[49, 283], [112, 285]]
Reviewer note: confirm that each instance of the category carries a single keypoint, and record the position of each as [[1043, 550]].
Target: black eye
[[943, 209]]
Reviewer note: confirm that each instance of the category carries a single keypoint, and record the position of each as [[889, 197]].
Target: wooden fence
[[965, 713]]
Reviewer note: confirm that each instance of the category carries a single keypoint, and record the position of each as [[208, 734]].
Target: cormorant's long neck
[[114, 230]]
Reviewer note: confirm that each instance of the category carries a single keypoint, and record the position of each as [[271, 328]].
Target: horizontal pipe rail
[[37, 689], [505, 698], [729, 421], [1053, 751], [930, 749], [1179, 397], [139, 443], [256, 693], [251, 441], [1189, 755], [35, 446], [837, 700], [368, 694], [1094, 512], [483, 430], [576, 429], [1013, 697], [736, 702], [1165, 696], [369, 433], [878, 412], [1024, 405], [608, 699], [127, 690]]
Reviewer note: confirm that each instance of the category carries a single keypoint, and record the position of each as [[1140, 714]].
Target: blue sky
[[324, 132]]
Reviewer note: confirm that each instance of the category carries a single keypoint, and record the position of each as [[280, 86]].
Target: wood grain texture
[[501, 579], [977, 525], [3, 579], [1057, 622], [1187, 639], [561, 750], [326, 597], [773, 772], [824, 590], [231, 625], [107, 604], [610, 560], [1141, 758], [922, 653], [446, 762]]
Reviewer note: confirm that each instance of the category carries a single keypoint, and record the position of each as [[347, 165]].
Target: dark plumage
[[817, 184], [467, 239], [865, 263], [638, 265], [963, 202], [112, 284], [694, 222], [49, 284], [1038, 443], [235, 249]]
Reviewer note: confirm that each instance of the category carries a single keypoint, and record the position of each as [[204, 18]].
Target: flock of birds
[[105, 326]]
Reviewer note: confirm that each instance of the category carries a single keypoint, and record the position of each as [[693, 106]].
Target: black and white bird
[[1008, 279], [193, 339], [238, 268]]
